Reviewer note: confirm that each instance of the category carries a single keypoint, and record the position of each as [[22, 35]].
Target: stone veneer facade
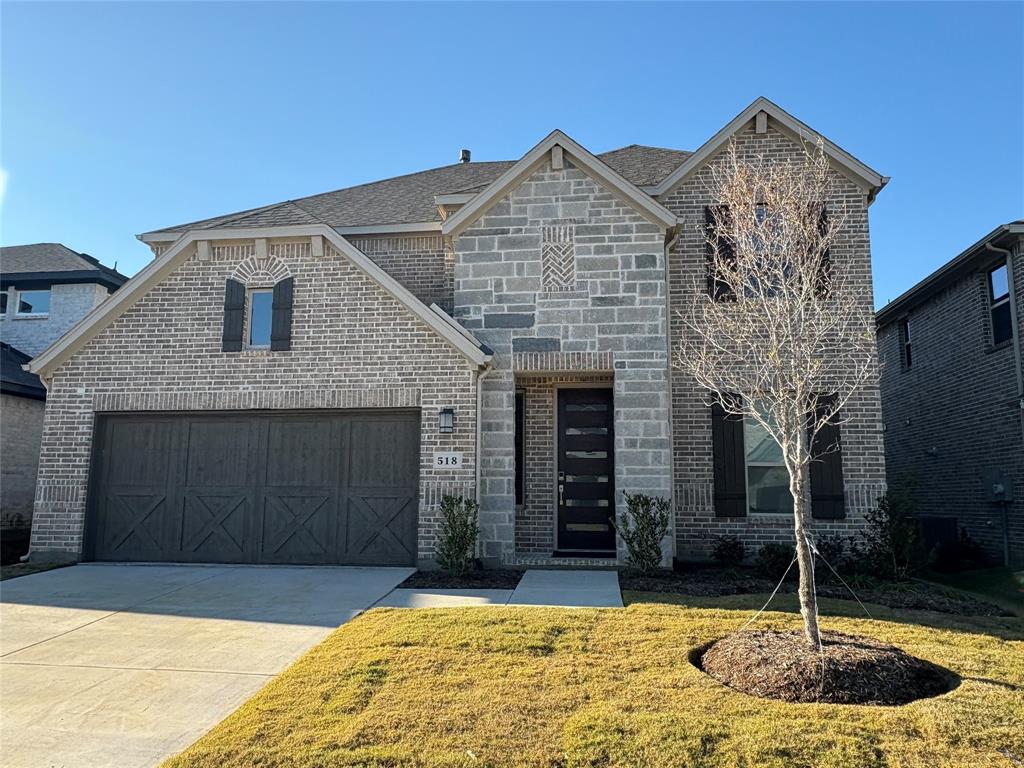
[[353, 346], [613, 323], [953, 416]]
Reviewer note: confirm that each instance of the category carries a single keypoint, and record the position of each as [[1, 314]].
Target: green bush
[[773, 559], [890, 547], [728, 550], [643, 528], [459, 532], [833, 549]]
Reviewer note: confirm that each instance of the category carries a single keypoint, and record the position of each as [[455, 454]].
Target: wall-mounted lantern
[[446, 421]]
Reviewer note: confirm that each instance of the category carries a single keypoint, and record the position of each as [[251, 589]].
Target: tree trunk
[[800, 488]]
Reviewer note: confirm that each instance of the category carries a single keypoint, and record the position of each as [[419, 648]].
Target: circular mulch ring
[[849, 670]]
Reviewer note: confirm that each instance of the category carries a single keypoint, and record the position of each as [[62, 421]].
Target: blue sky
[[120, 118]]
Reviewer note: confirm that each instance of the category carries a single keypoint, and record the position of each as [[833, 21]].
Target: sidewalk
[[550, 588]]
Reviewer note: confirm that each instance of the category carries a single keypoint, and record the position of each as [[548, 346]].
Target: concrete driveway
[[124, 665]]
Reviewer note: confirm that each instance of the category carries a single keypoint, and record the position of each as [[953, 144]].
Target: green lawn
[[998, 585], [557, 687]]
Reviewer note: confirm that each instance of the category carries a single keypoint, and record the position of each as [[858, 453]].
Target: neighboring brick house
[[44, 290], [498, 329], [953, 394]]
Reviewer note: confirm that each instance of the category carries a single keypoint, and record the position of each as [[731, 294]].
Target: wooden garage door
[[287, 487]]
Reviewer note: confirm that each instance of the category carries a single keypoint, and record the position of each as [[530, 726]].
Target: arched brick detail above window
[[253, 271]]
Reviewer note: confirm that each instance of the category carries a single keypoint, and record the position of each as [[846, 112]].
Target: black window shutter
[[234, 316], [827, 492], [729, 463], [825, 268], [520, 446], [281, 322], [717, 289]]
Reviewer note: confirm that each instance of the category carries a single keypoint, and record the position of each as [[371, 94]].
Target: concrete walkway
[[569, 589], [125, 665], [563, 589]]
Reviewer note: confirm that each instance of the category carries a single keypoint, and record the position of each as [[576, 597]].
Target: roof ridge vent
[[464, 156]]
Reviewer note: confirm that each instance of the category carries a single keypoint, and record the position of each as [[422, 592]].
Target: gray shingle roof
[[14, 380], [409, 199], [42, 258]]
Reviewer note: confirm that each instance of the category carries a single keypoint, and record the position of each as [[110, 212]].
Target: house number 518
[[447, 460]]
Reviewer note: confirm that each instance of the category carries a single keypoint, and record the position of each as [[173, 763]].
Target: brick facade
[[420, 262], [953, 415], [615, 315], [353, 346], [68, 304], [863, 465], [19, 449]]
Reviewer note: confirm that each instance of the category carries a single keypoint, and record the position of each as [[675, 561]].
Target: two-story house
[[953, 395], [44, 290], [303, 382]]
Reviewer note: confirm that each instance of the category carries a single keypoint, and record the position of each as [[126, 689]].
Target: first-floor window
[[3, 302], [33, 303], [261, 305], [767, 477], [999, 304]]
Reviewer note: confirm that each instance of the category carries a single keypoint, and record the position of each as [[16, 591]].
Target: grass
[[565, 688], [998, 585]]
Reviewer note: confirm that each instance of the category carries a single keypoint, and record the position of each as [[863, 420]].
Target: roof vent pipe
[[464, 156]]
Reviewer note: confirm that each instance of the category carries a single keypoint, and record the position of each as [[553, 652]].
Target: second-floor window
[[33, 303], [260, 313], [999, 303], [905, 340]]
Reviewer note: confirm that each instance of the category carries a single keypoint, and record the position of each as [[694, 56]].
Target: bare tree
[[781, 335]]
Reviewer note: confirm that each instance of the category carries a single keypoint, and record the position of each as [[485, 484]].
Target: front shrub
[[890, 547], [728, 550], [643, 528], [457, 539], [773, 559]]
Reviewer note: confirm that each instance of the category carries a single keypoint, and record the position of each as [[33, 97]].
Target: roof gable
[[870, 179], [408, 203], [583, 159], [157, 270]]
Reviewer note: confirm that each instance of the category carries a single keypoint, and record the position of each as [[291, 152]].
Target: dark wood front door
[[329, 487], [586, 470]]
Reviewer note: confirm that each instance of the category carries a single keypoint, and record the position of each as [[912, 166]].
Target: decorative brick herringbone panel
[[558, 259]]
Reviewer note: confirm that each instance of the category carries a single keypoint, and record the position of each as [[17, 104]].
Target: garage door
[[293, 487]]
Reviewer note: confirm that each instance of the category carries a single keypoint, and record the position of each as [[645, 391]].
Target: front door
[[586, 471]]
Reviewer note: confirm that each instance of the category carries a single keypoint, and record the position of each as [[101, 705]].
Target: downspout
[[1015, 328]]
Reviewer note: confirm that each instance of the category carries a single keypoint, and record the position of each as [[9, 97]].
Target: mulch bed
[[849, 670], [718, 582], [481, 579]]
